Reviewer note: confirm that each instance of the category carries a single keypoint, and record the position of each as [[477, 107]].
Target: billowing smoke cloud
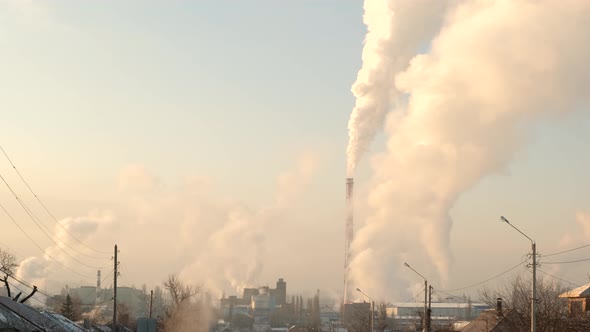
[[397, 30], [209, 239], [233, 257], [59, 265], [494, 67]]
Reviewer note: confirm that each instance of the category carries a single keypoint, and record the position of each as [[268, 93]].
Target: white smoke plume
[[233, 255], [494, 68], [211, 240], [397, 30], [46, 269]]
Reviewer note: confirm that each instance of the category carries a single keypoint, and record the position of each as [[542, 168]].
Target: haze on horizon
[[208, 139]]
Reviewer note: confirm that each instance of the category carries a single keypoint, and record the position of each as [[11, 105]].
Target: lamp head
[[358, 289], [406, 264], [502, 218]]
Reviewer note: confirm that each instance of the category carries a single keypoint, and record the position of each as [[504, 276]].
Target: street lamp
[[534, 298], [424, 328], [372, 309]]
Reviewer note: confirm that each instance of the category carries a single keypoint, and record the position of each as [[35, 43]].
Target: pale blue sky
[[231, 90]]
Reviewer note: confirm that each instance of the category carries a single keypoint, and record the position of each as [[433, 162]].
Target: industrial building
[[443, 313], [256, 303]]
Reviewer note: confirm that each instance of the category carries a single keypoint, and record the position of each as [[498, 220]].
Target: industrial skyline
[[209, 139]]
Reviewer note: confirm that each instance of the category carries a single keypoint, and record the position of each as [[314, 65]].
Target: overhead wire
[[102, 289], [448, 294], [37, 222], [487, 280], [556, 277], [30, 286], [414, 298], [45, 206], [569, 262], [38, 246], [566, 251]]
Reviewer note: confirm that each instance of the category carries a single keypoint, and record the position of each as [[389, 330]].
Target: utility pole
[[372, 316], [151, 302], [116, 264], [429, 316], [534, 299], [425, 306], [534, 286]]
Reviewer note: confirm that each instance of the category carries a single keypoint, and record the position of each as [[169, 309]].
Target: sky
[[208, 139]]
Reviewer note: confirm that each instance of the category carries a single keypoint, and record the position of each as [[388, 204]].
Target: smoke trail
[[495, 67], [397, 30]]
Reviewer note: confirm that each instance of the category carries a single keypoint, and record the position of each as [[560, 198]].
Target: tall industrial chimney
[[98, 280], [349, 234]]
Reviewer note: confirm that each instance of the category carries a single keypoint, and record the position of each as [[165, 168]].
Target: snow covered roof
[[14, 314], [582, 291]]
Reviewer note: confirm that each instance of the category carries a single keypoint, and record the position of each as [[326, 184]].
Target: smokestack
[[499, 306], [349, 234], [98, 280], [97, 290]]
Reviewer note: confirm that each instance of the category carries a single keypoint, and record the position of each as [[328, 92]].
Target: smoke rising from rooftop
[[493, 69]]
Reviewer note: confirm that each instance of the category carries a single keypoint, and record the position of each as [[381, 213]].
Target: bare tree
[[8, 263], [187, 313], [382, 321], [178, 290], [552, 311]]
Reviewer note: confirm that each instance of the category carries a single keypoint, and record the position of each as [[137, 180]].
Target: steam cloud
[[234, 254], [396, 32], [36, 269], [492, 69], [211, 240]]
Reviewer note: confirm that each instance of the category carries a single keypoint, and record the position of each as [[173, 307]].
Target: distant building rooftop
[[438, 305], [582, 291]]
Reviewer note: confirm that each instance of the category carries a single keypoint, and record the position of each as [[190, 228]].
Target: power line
[[102, 290], [414, 298], [30, 286], [556, 277], [38, 223], [483, 282], [38, 246], [439, 292], [45, 207], [568, 250], [569, 262], [32, 297]]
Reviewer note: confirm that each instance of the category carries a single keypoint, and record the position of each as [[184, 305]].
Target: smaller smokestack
[[98, 280], [499, 306]]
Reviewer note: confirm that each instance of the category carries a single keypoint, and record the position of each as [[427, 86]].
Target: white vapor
[[493, 68], [397, 30], [233, 255], [44, 270]]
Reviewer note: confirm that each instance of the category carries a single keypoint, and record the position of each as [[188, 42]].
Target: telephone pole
[[151, 302], [534, 299], [116, 264], [429, 311], [425, 324]]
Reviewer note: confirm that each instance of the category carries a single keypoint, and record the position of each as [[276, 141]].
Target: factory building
[[257, 303]]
